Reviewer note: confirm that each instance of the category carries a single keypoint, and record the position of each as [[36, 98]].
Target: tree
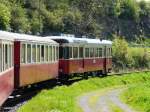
[[36, 23], [4, 17], [130, 10], [19, 20]]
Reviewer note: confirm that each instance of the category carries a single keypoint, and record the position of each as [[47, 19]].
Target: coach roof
[[72, 39], [23, 37]]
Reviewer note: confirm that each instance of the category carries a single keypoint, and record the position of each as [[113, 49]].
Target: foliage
[[36, 23], [93, 18], [4, 17], [130, 10], [63, 99]]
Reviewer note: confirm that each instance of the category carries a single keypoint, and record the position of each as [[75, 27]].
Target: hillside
[[101, 18]]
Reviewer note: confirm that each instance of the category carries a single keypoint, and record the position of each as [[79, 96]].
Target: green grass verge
[[63, 99], [138, 96]]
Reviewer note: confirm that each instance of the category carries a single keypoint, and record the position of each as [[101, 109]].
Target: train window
[[91, 52], [110, 51], [23, 53], [54, 52], [96, 52], [6, 56], [29, 53], [42, 53], [46, 53], [10, 56], [66, 52], [70, 52], [52, 56], [33, 53], [60, 52], [86, 52], [57, 52], [3, 57], [100, 52], [81, 52], [50, 53], [38, 53], [75, 52], [0, 57]]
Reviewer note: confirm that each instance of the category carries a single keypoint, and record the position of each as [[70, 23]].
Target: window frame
[[80, 52], [77, 55], [6, 47], [30, 56]]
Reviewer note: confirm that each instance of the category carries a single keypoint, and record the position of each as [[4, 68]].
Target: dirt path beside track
[[103, 102]]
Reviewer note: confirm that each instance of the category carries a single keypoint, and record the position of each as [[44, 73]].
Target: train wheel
[[85, 75], [104, 73], [63, 78], [99, 73]]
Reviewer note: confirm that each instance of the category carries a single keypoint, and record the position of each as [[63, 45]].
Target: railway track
[[124, 73], [19, 97]]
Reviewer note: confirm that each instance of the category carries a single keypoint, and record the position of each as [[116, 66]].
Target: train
[[26, 60]]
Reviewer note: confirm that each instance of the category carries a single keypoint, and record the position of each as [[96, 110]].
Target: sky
[[144, 0]]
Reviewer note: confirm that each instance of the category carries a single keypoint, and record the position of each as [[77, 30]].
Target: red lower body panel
[[6, 85], [93, 64], [71, 66], [83, 65], [34, 73]]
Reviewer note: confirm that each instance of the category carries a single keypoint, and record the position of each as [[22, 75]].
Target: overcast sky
[[143, 0]]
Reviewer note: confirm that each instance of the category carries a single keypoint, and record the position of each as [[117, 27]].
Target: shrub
[[129, 57], [121, 57]]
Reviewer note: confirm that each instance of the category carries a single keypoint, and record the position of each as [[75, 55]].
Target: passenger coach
[[6, 67], [82, 55], [25, 60], [35, 60]]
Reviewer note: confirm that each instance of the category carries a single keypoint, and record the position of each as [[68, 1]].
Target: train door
[[0, 56], [105, 60], [81, 56]]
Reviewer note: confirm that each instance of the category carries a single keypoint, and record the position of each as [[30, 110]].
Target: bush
[[141, 57], [129, 57], [121, 57]]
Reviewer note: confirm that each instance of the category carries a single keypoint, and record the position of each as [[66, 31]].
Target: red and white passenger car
[[6, 67], [25, 60], [35, 60], [82, 55]]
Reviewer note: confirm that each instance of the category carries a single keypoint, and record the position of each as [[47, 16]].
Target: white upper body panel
[[24, 37], [71, 39]]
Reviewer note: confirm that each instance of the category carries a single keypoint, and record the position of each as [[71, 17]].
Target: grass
[[115, 108], [138, 50], [63, 98], [138, 96]]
